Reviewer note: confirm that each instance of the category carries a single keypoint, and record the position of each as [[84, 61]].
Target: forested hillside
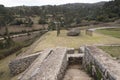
[[70, 14], [111, 10]]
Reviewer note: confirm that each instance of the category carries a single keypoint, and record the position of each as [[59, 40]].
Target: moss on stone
[[89, 68], [98, 74]]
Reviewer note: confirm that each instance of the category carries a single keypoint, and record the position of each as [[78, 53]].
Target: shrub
[[17, 22], [7, 52], [42, 21]]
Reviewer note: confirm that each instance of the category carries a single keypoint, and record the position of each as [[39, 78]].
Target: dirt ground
[[75, 72]]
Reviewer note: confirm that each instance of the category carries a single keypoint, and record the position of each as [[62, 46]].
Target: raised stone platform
[[100, 64], [31, 69], [50, 67]]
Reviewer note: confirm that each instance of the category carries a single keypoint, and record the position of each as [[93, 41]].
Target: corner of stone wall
[[70, 50]]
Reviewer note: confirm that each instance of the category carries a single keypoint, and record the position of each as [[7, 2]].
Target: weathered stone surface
[[70, 50], [74, 32], [19, 65], [101, 64], [75, 58], [89, 32], [31, 69], [52, 67], [81, 49]]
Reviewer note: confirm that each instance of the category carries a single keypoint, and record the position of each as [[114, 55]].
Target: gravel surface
[[75, 72]]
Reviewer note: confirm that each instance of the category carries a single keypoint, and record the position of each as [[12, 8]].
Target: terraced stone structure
[[100, 64], [50, 65]]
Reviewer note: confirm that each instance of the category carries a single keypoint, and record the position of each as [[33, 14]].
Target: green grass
[[50, 40], [114, 32], [114, 51], [4, 70]]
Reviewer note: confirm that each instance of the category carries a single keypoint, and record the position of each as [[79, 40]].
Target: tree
[[42, 21], [51, 25], [28, 22], [112, 10], [5, 20], [78, 20], [58, 22], [57, 27]]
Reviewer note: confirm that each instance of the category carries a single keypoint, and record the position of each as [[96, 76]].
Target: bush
[[17, 22], [42, 21], [16, 47], [52, 26]]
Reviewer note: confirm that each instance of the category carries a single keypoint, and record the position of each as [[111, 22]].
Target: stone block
[[73, 32], [70, 51]]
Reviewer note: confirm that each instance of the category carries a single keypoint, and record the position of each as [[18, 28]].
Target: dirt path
[[75, 72], [93, 29]]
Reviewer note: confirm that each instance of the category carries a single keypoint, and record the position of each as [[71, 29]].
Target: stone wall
[[31, 70], [19, 65], [75, 58], [100, 65], [70, 50], [52, 67], [89, 32]]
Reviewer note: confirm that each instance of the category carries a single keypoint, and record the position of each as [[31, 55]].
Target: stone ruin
[[100, 64], [73, 32], [51, 64], [89, 32]]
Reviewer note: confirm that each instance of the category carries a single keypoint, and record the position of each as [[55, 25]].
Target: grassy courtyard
[[114, 51], [114, 32], [50, 40]]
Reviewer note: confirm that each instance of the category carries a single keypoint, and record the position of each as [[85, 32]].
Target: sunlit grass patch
[[50, 40], [4, 69], [114, 32], [114, 51]]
